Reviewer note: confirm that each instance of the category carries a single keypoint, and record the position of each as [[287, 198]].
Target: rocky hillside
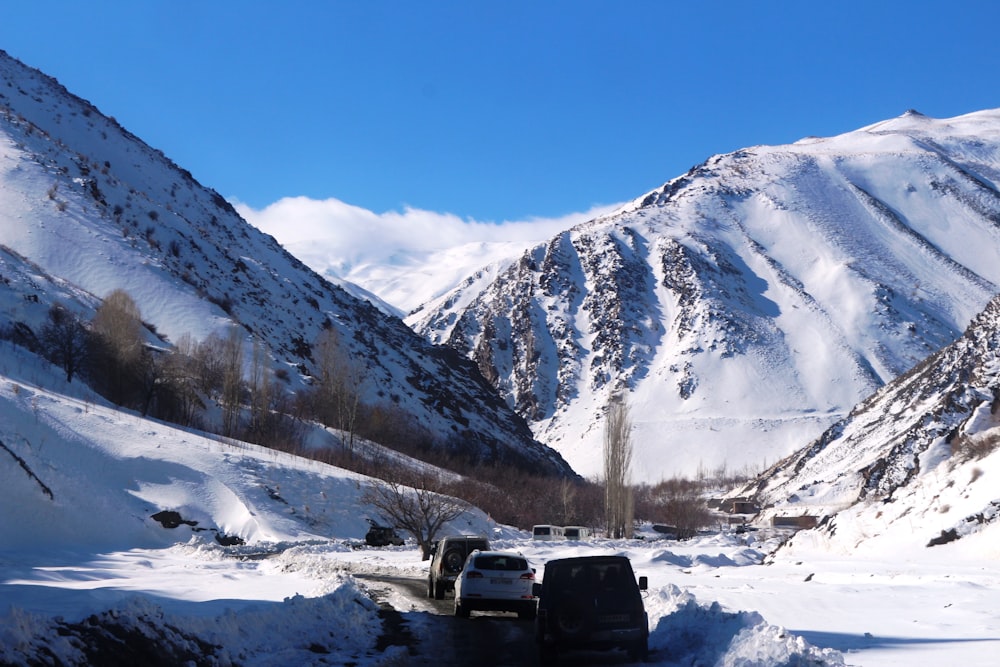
[[86, 208], [748, 304], [917, 460]]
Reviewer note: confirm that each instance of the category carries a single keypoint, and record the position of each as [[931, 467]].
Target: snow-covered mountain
[[86, 207], [399, 260], [915, 464], [748, 304]]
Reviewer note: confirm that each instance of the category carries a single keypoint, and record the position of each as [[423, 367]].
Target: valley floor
[[711, 601]]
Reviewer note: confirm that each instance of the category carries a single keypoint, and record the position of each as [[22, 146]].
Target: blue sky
[[497, 111]]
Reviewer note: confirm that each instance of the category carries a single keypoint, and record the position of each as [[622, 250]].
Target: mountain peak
[[750, 303]]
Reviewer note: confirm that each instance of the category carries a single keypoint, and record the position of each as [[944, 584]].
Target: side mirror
[[536, 590], [643, 583]]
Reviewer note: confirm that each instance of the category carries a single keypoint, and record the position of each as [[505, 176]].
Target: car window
[[593, 576], [503, 563]]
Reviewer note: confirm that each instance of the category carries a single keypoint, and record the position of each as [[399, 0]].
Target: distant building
[[795, 522]]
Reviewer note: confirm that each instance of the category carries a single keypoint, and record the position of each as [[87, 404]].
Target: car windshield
[[505, 563]]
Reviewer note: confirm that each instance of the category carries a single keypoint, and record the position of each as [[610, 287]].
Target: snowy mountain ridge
[[912, 465], [86, 206], [747, 305]]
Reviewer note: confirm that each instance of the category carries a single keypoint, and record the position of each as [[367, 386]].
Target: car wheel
[[453, 561], [527, 613], [461, 611], [438, 590], [430, 587], [572, 618]]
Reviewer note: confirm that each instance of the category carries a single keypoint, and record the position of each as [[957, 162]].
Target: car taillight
[[472, 574], [528, 575]]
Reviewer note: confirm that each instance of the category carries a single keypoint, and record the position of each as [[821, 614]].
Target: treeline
[[515, 497], [220, 386]]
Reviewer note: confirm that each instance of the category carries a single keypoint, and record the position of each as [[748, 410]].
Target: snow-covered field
[[710, 602], [79, 482]]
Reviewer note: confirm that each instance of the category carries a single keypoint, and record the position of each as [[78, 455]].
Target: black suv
[[382, 536], [591, 603], [447, 560]]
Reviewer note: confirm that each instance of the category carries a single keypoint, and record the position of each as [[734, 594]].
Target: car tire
[[460, 610], [572, 618], [527, 613], [453, 561], [430, 587], [438, 590]]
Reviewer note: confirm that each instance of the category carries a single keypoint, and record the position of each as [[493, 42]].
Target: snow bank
[[341, 627], [684, 632]]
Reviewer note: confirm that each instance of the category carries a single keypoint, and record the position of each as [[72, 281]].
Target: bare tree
[[676, 502], [151, 379], [567, 501], [415, 507], [181, 374], [232, 382], [65, 340], [260, 388], [618, 502], [338, 392], [205, 360], [117, 348]]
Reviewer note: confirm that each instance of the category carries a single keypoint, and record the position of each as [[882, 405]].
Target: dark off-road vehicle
[[382, 536], [591, 603], [447, 560]]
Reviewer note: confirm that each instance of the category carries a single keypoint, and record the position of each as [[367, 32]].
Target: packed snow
[[80, 480]]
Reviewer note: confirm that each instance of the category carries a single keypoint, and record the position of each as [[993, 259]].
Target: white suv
[[495, 581]]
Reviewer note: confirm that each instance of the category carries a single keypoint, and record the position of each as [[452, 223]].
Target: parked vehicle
[[592, 603], [495, 581], [382, 536], [547, 532], [447, 560], [576, 533]]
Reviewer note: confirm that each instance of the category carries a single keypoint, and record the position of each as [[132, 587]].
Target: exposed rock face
[[913, 466], [944, 408], [748, 304]]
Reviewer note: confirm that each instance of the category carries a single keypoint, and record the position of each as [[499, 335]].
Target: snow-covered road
[[710, 602]]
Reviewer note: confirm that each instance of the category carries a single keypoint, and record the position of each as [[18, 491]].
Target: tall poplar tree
[[619, 506]]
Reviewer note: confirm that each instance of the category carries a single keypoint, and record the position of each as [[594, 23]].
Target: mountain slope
[[748, 304], [86, 205], [915, 463]]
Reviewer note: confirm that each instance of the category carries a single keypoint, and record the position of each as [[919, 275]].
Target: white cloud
[[379, 250]]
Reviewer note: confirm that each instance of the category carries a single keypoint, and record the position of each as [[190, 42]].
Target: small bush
[[975, 447]]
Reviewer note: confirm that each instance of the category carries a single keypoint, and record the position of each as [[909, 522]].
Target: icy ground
[[80, 553], [710, 602]]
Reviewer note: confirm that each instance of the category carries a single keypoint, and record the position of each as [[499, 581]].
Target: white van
[[576, 533], [547, 532]]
